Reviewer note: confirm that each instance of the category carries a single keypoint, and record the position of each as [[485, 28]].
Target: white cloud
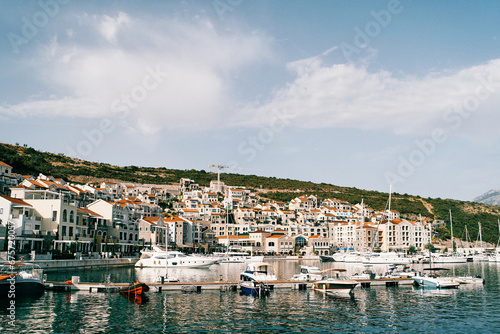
[[99, 66], [109, 25], [348, 95]]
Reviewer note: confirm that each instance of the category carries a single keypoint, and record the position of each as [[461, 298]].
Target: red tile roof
[[4, 164], [16, 201]]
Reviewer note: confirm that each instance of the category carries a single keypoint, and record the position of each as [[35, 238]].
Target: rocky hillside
[[491, 197]]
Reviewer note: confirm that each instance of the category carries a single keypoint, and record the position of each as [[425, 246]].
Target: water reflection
[[471, 308]]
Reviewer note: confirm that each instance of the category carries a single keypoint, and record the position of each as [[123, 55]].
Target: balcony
[[31, 234]]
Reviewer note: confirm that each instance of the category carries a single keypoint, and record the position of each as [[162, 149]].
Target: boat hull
[[326, 258], [437, 283], [22, 287], [137, 288], [255, 288], [188, 263], [469, 280], [335, 286]]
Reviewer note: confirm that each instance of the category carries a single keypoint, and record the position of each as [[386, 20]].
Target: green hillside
[[28, 161]]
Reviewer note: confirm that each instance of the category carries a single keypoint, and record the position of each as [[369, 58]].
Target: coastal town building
[[120, 217]]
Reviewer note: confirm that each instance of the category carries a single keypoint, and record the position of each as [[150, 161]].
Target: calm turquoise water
[[374, 310]]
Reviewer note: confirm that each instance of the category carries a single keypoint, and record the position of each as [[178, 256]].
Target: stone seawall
[[64, 265]]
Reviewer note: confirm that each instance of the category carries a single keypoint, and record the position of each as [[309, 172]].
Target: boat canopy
[[258, 267]]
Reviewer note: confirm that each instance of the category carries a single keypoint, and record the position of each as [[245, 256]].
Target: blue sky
[[365, 94]]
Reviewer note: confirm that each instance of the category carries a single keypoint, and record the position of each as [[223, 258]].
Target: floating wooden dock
[[168, 286], [200, 286]]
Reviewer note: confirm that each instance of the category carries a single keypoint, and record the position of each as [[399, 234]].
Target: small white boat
[[494, 257], [308, 273], [232, 257], [366, 274], [236, 257], [172, 259], [469, 279], [480, 257], [433, 280], [401, 271], [256, 277], [337, 285], [166, 279]]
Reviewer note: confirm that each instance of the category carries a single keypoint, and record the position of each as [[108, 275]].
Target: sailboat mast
[[430, 245], [451, 227], [166, 253], [227, 233], [390, 193], [362, 224], [480, 237], [498, 234], [466, 236]]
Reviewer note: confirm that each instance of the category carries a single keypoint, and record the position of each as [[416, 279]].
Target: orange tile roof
[[151, 219], [190, 210], [16, 200], [90, 212], [20, 187], [4, 164], [173, 219]]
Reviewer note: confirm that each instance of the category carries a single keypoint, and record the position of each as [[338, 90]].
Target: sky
[[366, 94]]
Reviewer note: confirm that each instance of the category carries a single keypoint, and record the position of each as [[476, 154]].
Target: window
[[71, 216], [54, 216], [71, 231], [271, 244], [65, 216], [64, 231]]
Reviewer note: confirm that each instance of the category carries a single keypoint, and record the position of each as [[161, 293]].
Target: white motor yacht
[[256, 277], [173, 259], [337, 285]]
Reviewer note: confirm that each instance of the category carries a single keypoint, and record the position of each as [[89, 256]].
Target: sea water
[[403, 309]]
